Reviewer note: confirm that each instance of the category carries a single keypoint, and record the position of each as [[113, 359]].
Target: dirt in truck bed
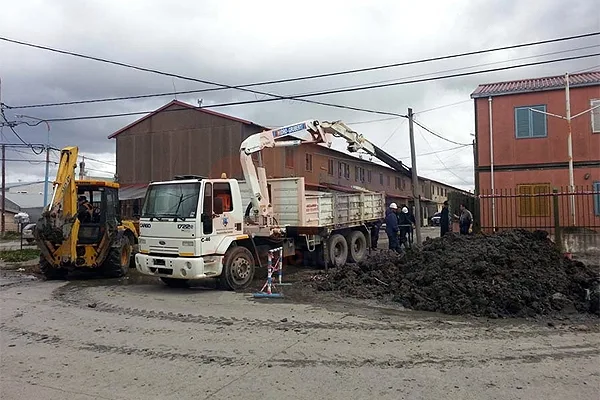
[[509, 274]]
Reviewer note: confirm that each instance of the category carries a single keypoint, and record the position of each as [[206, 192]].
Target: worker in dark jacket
[[404, 226], [391, 227], [445, 219], [375, 233]]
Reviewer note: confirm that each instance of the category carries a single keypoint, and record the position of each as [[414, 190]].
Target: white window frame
[[594, 103]]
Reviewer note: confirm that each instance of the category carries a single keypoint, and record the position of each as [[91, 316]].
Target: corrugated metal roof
[[26, 200], [536, 84]]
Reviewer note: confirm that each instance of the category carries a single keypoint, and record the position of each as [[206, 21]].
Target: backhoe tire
[[238, 269], [357, 246], [116, 264], [337, 247], [51, 273]]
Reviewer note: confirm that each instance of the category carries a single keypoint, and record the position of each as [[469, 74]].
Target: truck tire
[[134, 247], [337, 247], [238, 268], [357, 246], [51, 273], [116, 264]]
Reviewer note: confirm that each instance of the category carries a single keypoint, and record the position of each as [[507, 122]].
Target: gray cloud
[[250, 43]]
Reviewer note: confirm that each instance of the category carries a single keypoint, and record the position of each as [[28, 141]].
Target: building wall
[[508, 150], [171, 142], [319, 165]]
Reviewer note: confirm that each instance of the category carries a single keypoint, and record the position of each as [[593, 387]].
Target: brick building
[[530, 152]]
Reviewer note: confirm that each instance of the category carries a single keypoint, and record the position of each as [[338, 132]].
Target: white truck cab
[[187, 226]]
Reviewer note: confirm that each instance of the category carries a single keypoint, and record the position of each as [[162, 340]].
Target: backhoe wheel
[[338, 250], [51, 273], [116, 264], [238, 268], [357, 246]]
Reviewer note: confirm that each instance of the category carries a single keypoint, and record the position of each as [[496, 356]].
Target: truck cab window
[[207, 209], [223, 191]]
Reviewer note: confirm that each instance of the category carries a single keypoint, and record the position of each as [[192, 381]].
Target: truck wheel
[[357, 243], [133, 251], [116, 264], [51, 273], [238, 268], [337, 248]]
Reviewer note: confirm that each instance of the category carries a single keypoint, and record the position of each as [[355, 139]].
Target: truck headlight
[[141, 241], [187, 243]]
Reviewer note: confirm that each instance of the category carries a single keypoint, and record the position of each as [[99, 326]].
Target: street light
[[47, 154]]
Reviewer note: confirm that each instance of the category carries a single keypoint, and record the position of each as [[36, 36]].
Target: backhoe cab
[[82, 228]]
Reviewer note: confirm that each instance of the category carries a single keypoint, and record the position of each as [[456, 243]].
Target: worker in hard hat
[[404, 226], [391, 227]]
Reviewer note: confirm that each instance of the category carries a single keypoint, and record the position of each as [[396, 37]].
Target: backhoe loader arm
[[57, 229]]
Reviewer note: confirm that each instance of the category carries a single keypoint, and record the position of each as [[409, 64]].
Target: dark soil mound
[[512, 273]]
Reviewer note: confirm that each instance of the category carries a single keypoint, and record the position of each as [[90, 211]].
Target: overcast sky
[[237, 42]]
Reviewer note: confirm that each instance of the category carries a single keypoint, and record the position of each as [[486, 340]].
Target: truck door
[[216, 215]]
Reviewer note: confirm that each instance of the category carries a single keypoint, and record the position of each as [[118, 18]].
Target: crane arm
[[357, 142], [58, 227], [256, 177]]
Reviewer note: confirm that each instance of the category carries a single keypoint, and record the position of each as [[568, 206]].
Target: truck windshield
[[175, 200]]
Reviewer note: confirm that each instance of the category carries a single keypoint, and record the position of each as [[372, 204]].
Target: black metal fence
[[539, 207]]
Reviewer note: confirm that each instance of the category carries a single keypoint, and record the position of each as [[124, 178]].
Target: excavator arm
[[57, 229]]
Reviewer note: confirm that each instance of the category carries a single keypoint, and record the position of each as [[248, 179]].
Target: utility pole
[[3, 188], [415, 176], [47, 155]]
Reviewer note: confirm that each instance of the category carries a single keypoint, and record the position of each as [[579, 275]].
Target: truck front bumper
[[179, 267]]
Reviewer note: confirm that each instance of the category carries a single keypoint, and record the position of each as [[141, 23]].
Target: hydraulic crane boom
[[320, 132]]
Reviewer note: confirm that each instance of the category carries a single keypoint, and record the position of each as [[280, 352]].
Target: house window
[[381, 179], [531, 205], [356, 173], [403, 184], [344, 169], [397, 183], [597, 198], [289, 158], [369, 176], [530, 124], [308, 163], [340, 169], [388, 180], [595, 115], [330, 167]]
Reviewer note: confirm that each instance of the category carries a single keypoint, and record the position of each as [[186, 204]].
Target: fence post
[[557, 229]]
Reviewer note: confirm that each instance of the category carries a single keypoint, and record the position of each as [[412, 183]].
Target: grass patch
[[11, 235], [13, 256]]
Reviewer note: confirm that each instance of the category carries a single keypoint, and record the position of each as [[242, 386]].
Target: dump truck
[[195, 228], [67, 241]]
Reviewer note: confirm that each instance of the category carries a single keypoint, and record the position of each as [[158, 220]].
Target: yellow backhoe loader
[[81, 228]]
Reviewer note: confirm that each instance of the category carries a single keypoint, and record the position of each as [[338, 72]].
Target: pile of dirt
[[513, 273]]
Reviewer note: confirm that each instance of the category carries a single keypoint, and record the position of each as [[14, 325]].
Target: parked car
[[435, 220], [28, 233]]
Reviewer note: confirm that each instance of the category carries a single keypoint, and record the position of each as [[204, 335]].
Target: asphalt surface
[[134, 338]]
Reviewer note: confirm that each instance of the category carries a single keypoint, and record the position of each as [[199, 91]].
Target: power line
[[135, 97], [245, 87], [438, 135], [293, 97], [440, 160]]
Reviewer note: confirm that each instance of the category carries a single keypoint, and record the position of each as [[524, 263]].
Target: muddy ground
[[134, 338]]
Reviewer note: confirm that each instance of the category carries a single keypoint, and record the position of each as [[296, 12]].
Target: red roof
[[185, 105], [536, 84]]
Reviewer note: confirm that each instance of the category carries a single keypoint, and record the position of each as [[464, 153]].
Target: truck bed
[[293, 205]]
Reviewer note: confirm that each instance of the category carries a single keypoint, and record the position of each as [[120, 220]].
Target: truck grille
[[163, 250]]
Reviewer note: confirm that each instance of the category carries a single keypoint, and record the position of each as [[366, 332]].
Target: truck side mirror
[[218, 206]]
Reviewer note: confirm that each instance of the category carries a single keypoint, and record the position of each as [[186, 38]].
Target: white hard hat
[[394, 206], [404, 210]]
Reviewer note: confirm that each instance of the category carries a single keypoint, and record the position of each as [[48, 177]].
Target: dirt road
[[132, 339]]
